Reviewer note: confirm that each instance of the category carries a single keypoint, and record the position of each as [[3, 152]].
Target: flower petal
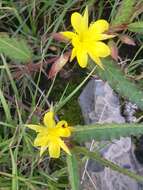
[[79, 22], [76, 21], [82, 57], [98, 27], [106, 36], [54, 149], [85, 18], [98, 49], [73, 54], [41, 140], [64, 147], [68, 34], [37, 128], [96, 60], [98, 36], [42, 150], [75, 42], [101, 49], [62, 129], [48, 119], [64, 132]]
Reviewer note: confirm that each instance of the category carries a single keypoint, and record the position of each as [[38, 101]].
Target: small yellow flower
[[87, 40], [50, 135]]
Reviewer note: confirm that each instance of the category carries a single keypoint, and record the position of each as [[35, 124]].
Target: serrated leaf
[[73, 172], [119, 82], [16, 49], [136, 27], [107, 163], [106, 131]]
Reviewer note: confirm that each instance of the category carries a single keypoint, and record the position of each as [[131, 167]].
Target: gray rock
[[100, 104]]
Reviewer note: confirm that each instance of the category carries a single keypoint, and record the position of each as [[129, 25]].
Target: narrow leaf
[[5, 106], [106, 131], [73, 172], [107, 163], [14, 172]]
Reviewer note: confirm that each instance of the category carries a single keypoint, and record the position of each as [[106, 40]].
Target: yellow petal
[[99, 26], [62, 123], [37, 128], [73, 54], [76, 20], [42, 150], [101, 49], [41, 140], [106, 36], [97, 60], [62, 129], [48, 119], [64, 147], [82, 57], [64, 132], [98, 49], [76, 43], [71, 128], [85, 18], [54, 149], [79, 22], [98, 36], [68, 34]]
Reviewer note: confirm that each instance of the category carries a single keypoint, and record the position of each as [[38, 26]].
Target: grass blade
[[73, 172], [6, 107]]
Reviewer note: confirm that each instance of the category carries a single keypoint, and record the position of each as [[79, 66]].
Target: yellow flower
[[87, 40], [50, 135]]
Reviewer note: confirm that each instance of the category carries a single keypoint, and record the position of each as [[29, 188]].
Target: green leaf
[[124, 12], [106, 131], [5, 106], [120, 83], [73, 172], [136, 27], [97, 156], [14, 171], [14, 48]]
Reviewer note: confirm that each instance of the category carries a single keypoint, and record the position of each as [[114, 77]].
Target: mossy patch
[[71, 111]]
